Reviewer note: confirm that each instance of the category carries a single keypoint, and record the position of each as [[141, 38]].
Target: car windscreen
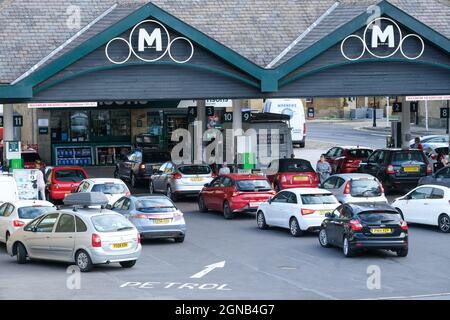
[[253, 185], [379, 217], [407, 156], [111, 223], [318, 199], [156, 157], [296, 166], [156, 205], [33, 212], [110, 188], [365, 188], [30, 157], [69, 175], [359, 153], [195, 170]]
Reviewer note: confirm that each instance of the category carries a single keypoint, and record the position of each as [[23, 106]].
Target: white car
[[14, 215], [8, 189], [82, 234], [427, 204], [355, 187], [431, 140], [297, 209], [114, 189]]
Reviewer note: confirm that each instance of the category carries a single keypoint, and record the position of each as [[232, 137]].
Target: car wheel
[[21, 254], [83, 261], [402, 252], [128, 264], [151, 187], [323, 238], [201, 205], [295, 228], [303, 143], [179, 239], [227, 212], [170, 194], [261, 220], [348, 251], [444, 223]]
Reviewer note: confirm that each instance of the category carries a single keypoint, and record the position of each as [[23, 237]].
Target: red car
[[347, 159], [62, 181], [292, 173], [233, 193]]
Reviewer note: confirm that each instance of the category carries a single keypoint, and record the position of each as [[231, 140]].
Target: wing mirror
[[108, 206], [34, 229], [270, 200]]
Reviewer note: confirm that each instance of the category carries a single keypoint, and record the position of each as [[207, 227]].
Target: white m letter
[[145, 38], [383, 36]]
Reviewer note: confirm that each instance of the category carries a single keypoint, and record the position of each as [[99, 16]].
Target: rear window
[[296, 166], [69, 175], [111, 223], [359, 153], [318, 199], [406, 156], [195, 170], [33, 212], [156, 157], [30, 157], [155, 205], [110, 188], [253, 185], [378, 217], [365, 188]]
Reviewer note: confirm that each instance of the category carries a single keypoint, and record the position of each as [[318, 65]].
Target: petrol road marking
[[176, 285]]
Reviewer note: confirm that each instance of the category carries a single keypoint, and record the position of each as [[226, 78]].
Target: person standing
[[417, 144], [224, 169], [323, 168], [40, 181]]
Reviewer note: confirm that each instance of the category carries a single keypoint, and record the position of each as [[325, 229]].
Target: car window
[[331, 152], [253, 185], [69, 175], [111, 223], [359, 153], [292, 198], [66, 224], [33, 212], [325, 198], [421, 193], [338, 152], [32, 224], [380, 157], [118, 203], [330, 183], [405, 156], [295, 165], [365, 188], [2, 209], [163, 167], [169, 168], [126, 204], [136, 156], [346, 213], [9, 210], [227, 182], [374, 156], [443, 173], [339, 182], [110, 188], [155, 205], [281, 197], [30, 156], [378, 217], [81, 226], [217, 182], [195, 169], [437, 194], [47, 223]]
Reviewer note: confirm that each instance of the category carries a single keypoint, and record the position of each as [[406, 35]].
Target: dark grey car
[[440, 177], [154, 216]]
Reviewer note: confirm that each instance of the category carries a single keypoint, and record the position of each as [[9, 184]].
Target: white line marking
[[208, 269], [411, 297]]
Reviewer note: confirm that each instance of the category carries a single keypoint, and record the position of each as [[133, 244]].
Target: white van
[[294, 108], [8, 189]]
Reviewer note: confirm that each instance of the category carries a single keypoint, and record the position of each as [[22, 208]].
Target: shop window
[[79, 126], [101, 123], [121, 124]]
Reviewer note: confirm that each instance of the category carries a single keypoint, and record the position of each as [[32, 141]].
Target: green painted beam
[[15, 92]]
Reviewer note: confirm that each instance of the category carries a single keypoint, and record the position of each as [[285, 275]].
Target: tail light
[[96, 241], [283, 179], [56, 186], [390, 169], [235, 194], [139, 216], [348, 188], [403, 225], [177, 175], [307, 211], [356, 225], [429, 168], [316, 178], [18, 223], [138, 237], [142, 167]]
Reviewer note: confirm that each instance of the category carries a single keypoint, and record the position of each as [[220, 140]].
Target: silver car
[[154, 216], [176, 180], [83, 235], [355, 187]]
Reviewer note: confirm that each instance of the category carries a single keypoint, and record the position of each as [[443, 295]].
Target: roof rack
[[86, 199]]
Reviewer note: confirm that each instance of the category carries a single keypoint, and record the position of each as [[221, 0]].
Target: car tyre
[[444, 223], [179, 239], [170, 194], [348, 251], [21, 254], [201, 205], [303, 143], [403, 252], [261, 221], [227, 212], [323, 238], [294, 227], [128, 264], [83, 261]]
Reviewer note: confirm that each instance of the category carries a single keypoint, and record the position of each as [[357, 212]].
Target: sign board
[[62, 105], [311, 113], [227, 117], [26, 181], [246, 116], [209, 111], [192, 114], [17, 121], [13, 150], [43, 130], [216, 103], [444, 113], [428, 98], [397, 107], [414, 106]]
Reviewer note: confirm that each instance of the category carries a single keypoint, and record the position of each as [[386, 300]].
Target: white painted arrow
[[208, 269]]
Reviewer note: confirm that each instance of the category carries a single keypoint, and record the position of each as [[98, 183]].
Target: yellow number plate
[[301, 178], [120, 245], [161, 221], [381, 230], [196, 179], [322, 212], [411, 169]]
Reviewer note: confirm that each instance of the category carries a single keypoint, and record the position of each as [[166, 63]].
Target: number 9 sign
[[246, 116]]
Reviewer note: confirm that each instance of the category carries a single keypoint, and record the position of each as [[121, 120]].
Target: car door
[[330, 184], [38, 241], [62, 243], [167, 174], [340, 225], [331, 225], [117, 206], [3, 222], [329, 156], [435, 205], [413, 204], [208, 192], [277, 205], [156, 178], [337, 157], [290, 208]]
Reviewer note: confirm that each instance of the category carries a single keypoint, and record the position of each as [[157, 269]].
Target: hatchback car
[[154, 216], [346, 159], [60, 181], [234, 193], [427, 204], [361, 226], [397, 168], [14, 215], [355, 187], [113, 189], [176, 180], [292, 173], [84, 235], [299, 210]]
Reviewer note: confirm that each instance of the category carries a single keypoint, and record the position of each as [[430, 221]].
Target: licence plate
[[161, 221], [254, 204], [323, 212], [411, 169], [120, 245], [301, 178], [196, 179], [381, 231]]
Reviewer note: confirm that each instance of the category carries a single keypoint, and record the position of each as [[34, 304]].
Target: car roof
[[301, 191], [87, 212], [147, 196], [354, 147], [29, 203], [432, 186], [348, 176], [370, 206], [68, 168], [240, 176], [104, 180], [397, 149]]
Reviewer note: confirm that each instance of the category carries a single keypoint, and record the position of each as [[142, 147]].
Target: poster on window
[[26, 180]]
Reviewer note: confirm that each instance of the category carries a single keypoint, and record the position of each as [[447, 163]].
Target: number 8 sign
[[444, 113]]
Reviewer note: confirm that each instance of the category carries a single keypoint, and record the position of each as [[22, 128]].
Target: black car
[[440, 177], [139, 165], [360, 226], [397, 168]]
